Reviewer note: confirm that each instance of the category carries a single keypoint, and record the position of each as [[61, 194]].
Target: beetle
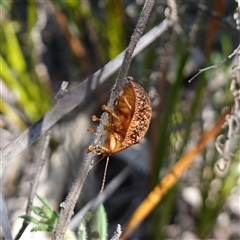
[[128, 122]]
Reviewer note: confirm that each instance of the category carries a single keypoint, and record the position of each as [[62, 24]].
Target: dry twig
[[4, 221], [100, 198], [68, 206], [41, 162], [216, 65]]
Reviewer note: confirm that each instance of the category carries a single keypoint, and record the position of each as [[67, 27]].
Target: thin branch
[[74, 98], [141, 24], [173, 16], [4, 220], [215, 65], [68, 206], [100, 198], [41, 162]]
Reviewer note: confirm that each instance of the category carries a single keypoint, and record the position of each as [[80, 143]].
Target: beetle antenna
[[98, 161], [104, 175]]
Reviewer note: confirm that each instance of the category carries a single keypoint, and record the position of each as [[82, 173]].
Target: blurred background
[[44, 43]]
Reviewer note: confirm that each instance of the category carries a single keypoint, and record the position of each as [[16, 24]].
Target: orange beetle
[[129, 120]]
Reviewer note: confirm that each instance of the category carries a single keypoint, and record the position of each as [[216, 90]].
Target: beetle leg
[[105, 132], [108, 124], [95, 118], [128, 104], [105, 108], [113, 142], [91, 130], [104, 150], [100, 149], [91, 148]]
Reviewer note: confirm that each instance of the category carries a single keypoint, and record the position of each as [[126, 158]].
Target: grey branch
[[108, 190], [41, 161], [68, 206], [216, 65], [4, 222]]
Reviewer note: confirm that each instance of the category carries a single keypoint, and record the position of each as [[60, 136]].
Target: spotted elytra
[[128, 122]]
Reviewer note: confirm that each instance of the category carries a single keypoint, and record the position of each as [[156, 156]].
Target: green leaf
[[42, 228], [48, 206], [115, 31], [29, 94], [36, 210], [9, 112], [99, 224], [14, 53], [5, 6], [70, 235], [82, 230], [31, 15], [88, 216], [30, 219], [48, 219], [51, 218]]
